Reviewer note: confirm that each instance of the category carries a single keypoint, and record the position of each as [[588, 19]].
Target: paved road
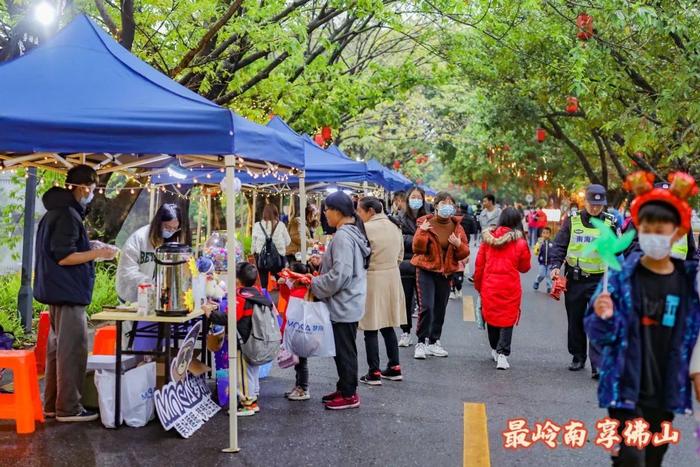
[[415, 422]]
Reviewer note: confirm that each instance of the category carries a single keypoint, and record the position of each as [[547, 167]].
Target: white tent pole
[[365, 188], [152, 202], [231, 291], [209, 216], [302, 213]]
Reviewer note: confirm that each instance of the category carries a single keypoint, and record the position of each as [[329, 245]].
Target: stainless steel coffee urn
[[173, 279]]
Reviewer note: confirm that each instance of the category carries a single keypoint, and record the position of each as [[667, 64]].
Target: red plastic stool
[[24, 404], [42, 340], [105, 341]]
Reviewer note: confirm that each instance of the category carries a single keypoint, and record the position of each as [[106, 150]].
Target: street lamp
[[45, 13]]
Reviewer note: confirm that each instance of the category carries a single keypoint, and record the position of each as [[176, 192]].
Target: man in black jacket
[[64, 279]]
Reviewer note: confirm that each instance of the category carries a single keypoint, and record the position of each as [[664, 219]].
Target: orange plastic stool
[[42, 340], [24, 404], [105, 341]]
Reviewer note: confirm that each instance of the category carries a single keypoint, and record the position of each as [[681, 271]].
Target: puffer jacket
[[427, 253], [503, 256], [408, 230], [621, 344]]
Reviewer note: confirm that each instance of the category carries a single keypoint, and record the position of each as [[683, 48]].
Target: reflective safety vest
[[680, 249], [581, 237]]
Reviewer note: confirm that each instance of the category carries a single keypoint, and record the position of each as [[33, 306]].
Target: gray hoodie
[[342, 284]]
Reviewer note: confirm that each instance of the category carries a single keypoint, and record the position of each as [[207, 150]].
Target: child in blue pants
[[542, 249]]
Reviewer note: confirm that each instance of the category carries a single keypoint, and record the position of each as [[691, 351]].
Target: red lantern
[[584, 24], [484, 185], [506, 148], [541, 135], [397, 164], [571, 105], [318, 139], [270, 116], [326, 133]]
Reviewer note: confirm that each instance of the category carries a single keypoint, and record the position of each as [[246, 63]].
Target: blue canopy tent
[[377, 173], [82, 92], [82, 98]]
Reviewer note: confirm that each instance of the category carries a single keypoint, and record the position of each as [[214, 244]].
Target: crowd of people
[[638, 326]]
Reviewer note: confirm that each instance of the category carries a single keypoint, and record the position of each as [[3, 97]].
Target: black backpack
[[269, 258]]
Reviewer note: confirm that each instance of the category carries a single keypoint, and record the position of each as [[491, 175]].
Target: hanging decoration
[[397, 164], [484, 185], [326, 133], [541, 135], [318, 139], [571, 105], [584, 24]]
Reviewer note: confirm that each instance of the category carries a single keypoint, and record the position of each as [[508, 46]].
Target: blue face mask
[[446, 210], [87, 200], [415, 203], [166, 234]]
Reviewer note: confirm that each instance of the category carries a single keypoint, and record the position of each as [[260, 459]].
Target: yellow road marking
[[468, 308], [476, 436]]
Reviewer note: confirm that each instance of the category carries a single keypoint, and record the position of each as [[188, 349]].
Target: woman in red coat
[[503, 256]]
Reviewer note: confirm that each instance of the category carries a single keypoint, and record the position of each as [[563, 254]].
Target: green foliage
[[105, 292]]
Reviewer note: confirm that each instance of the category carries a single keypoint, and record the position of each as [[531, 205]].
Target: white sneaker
[[420, 352], [405, 340], [436, 350], [494, 355], [453, 296], [502, 362], [458, 294]]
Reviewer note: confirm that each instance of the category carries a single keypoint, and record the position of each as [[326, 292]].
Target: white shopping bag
[[309, 332], [137, 386]]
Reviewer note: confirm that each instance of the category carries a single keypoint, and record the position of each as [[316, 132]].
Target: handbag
[[309, 332]]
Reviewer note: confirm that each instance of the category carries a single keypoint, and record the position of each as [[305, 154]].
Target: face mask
[[415, 203], [574, 210], [655, 246], [87, 200], [446, 210], [166, 234]]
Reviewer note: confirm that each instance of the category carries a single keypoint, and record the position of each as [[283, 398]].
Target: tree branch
[[187, 58]]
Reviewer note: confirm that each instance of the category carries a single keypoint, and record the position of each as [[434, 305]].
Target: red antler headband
[[682, 187]]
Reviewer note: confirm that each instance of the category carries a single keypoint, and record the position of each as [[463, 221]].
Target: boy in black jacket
[[543, 248]]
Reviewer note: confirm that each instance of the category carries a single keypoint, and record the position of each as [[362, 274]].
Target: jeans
[[66, 360], [652, 455], [433, 296], [500, 338], [372, 348], [409, 291], [302, 373], [543, 274], [346, 357], [534, 234]]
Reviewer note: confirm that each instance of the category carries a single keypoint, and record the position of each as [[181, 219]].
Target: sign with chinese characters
[[185, 403], [574, 434]]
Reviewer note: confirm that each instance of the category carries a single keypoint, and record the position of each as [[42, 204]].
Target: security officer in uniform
[[583, 270]]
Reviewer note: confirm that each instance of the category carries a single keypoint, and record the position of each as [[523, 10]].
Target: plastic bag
[[309, 332], [137, 387]]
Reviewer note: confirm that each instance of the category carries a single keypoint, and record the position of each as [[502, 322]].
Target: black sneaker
[[373, 378], [393, 373], [82, 416], [470, 279], [595, 374]]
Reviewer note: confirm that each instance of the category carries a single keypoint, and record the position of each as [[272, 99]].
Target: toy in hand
[[608, 245], [291, 275], [558, 288]]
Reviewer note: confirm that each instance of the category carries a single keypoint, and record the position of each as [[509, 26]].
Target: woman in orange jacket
[[438, 245]]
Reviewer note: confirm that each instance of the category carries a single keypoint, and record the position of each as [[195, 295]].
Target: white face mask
[[656, 246]]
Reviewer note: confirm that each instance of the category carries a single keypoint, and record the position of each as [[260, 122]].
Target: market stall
[[81, 98]]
